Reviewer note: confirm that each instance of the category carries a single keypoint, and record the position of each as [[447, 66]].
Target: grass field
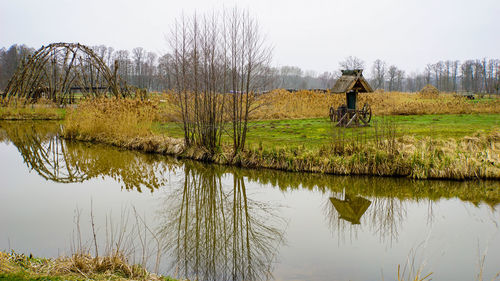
[[313, 132]]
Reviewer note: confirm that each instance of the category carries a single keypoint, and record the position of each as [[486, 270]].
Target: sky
[[311, 34]]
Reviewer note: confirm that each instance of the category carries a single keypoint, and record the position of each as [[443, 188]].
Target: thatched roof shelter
[[351, 209], [352, 80]]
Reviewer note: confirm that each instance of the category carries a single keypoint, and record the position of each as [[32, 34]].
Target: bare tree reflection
[[63, 161], [386, 217], [220, 233]]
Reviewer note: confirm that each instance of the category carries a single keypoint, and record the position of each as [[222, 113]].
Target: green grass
[[16, 267], [318, 131], [21, 276]]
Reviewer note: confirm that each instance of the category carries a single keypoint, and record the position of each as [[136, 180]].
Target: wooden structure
[[351, 83], [56, 71], [352, 208]]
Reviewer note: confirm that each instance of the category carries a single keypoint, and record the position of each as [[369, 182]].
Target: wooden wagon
[[349, 114]]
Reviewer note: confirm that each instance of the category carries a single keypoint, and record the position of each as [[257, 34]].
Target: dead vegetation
[[471, 158], [281, 104], [23, 109], [76, 267], [429, 91], [119, 122]]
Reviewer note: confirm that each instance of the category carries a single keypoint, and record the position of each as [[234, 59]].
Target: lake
[[200, 221]]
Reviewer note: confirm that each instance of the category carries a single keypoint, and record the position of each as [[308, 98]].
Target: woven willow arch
[[58, 70]]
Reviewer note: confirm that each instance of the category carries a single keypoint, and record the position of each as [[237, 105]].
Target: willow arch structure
[[59, 70]]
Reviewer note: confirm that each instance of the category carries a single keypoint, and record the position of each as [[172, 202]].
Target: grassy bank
[[18, 109], [15, 266], [424, 147]]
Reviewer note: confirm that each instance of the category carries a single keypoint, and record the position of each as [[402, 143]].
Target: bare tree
[[249, 58], [392, 73], [138, 55], [326, 79], [211, 57], [379, 72], [351, 62]]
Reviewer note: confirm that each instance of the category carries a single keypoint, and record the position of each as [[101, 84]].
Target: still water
[[208, 222]]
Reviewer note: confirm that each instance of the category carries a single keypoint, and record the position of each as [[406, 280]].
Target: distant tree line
[[479, 75], [148, 70]]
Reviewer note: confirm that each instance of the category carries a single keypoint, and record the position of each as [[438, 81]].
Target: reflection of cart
[[351, 82]]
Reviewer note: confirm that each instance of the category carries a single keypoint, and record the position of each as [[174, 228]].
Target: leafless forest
[[155, 72]]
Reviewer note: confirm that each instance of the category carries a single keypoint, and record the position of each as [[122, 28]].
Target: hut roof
[[351, 209], [352, 80]]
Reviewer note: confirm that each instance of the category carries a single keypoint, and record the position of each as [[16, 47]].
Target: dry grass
[[76, 267], [111, 118], [22, 109], [474, 157], [429, 92], [281, 104], [120, 122]]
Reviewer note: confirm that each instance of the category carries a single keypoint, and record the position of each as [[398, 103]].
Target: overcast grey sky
[[311, 34]]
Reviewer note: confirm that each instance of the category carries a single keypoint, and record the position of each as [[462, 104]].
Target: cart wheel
[[367, 112], [332, 114]]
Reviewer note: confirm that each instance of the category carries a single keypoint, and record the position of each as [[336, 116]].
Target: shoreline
[[15, 266], [421, 163]]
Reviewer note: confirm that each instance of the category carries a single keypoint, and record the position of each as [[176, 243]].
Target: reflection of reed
[[347, 213], [477, 192], [220, 233], [63, 161]]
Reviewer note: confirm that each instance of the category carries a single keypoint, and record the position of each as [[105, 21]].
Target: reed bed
[[111, 117], [281, 104], [120, 122]]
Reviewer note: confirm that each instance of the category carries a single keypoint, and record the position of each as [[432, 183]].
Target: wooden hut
[[351, 83], [352, 80]]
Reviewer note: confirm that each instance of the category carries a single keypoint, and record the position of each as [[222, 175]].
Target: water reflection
[[351, 208], [67, 162], [217, 232], [346, 213], [214, 229]]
